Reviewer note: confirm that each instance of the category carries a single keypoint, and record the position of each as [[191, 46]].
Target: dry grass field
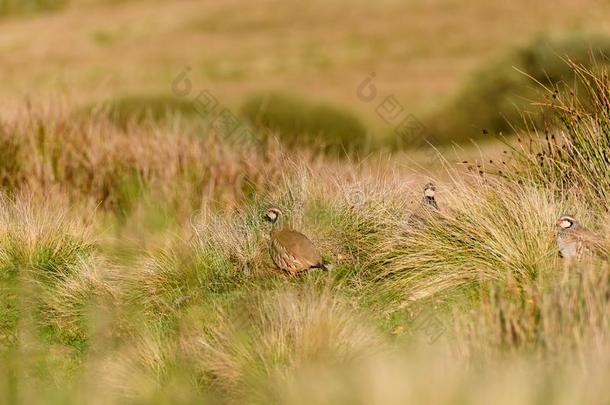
[[421, 51], [134, 258]]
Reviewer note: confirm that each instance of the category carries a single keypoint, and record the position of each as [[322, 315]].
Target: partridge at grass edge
[[576, 242], [290, 250], [427, 207]]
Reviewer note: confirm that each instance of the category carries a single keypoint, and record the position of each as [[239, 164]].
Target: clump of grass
[[302, 123], [228, 256], [273, 336], [572, 157], [149, 368], [555, 317], [496, 96], [47, 266], [408, 376], [224, 257], [11, 173], [243, 351], [91, 159], [214, 268], [488, 230]]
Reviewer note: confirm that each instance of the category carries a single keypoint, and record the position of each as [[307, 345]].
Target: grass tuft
[[572, 158], [488, 230]]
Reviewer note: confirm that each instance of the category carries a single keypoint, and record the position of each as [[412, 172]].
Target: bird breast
[[567, 247]]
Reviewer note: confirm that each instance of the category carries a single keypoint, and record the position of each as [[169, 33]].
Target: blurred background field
[[444, 61], [140, 141]]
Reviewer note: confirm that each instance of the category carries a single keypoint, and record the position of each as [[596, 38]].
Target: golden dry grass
[[133, 259], [421, 52]]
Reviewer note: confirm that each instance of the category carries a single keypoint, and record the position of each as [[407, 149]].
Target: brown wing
[[298, 248], [421, 215], [590, 242]]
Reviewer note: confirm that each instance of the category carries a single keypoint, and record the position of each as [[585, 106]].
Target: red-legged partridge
[[291, 251], [574, 241], [427, 207]]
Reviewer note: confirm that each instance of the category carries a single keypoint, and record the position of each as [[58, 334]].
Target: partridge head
[[430, 196]]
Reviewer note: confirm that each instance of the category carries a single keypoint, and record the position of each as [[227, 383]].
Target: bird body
[[290, 250], [574, 241], [427, 207]]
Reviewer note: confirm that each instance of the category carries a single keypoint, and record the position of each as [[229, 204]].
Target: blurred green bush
[[300, 122], [139, 108], [11, 7], [496, 95]]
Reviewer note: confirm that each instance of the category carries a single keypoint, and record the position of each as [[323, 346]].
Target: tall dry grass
[[560, 317], [571, 155], [486, 230], [91, 159], [50, 271], [207, 317]]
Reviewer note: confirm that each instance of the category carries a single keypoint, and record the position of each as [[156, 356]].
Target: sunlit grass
[[473, 291]]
